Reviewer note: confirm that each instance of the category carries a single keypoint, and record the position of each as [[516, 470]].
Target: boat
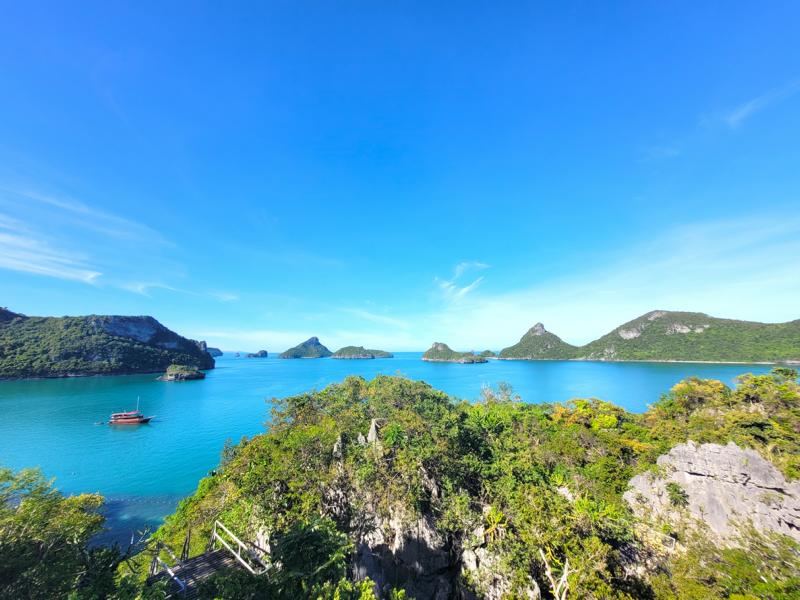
[[131, 417]]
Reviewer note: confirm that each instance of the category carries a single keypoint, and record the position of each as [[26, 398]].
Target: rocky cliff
[[721, 486]]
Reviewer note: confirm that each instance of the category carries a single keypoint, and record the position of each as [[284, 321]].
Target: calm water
[[144, 470]]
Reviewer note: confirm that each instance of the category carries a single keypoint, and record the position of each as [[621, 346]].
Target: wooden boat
[[131, 417]]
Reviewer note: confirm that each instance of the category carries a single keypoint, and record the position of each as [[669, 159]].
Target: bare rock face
[[720, 486], [407, 548]]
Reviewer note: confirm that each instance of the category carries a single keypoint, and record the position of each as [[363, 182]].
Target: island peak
[[311, 348]]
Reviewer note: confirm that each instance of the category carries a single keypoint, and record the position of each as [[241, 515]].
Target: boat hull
[[135, 421]]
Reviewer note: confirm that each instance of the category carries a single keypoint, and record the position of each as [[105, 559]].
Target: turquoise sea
[[144, 470]]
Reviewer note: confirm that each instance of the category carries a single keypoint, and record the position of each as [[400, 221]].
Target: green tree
[[44, 539]]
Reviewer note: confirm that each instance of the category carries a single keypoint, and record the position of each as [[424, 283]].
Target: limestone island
[[311, 348], [440, 352], [92, 345], [666, 336], [215, 352], [259, 354], [359, 352], [182, 373]]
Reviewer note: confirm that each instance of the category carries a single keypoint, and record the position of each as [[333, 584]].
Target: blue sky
[[390, 174]]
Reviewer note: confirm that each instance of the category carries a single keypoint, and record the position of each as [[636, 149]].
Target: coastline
[[656, 360]]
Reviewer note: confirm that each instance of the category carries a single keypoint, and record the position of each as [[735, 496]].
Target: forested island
[[440, 352], [92, 345], [311, 348], [670, 336], [391, 489], [359, 352]]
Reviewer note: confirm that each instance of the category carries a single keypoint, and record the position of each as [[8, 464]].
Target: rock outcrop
[[721, 486], [259, 354], [182, 373], [215, 352]]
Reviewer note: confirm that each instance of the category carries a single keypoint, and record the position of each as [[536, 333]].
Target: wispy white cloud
[[738, 115], [144, 288], [375, 317], [224, 296], [91, 218], [452, 290], [28, 254]]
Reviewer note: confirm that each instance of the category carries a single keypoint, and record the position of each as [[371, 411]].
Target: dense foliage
[[440, 352], [525, 477], [664, 335], [43, 541], [63, 346], [311, 348], [360, 352]]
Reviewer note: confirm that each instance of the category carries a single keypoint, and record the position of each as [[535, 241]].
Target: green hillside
[[538, 343], [664, 335], [92, 345], [671, 336]]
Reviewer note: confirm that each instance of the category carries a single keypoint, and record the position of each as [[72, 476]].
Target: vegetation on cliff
[[499, 479], [311, 348], [671, 336], [440, 352], [360, 352], [92, 345]]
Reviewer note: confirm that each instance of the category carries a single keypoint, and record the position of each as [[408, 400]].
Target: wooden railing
[[256, 566], [164, 565]]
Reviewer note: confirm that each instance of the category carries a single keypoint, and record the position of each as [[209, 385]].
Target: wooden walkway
[[185, 577], [195, 570]]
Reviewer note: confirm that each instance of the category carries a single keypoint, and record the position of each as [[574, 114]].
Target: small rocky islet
[[182, 373], [440, 352], [259, 354]]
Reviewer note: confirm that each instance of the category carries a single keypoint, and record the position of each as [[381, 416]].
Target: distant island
[[92, 345], [259, 354], [670, 336], [359, 352], [182, 373], [311, 348], [440, 352], [215, 352]]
